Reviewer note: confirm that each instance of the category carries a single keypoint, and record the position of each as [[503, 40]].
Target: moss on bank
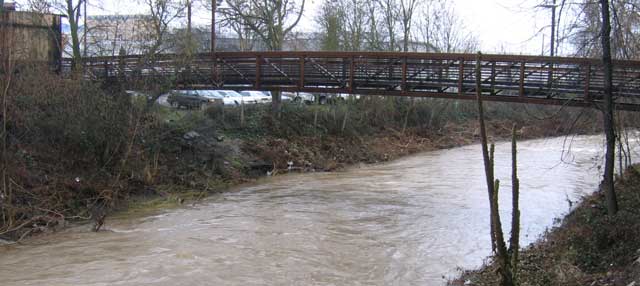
[[587, 248]]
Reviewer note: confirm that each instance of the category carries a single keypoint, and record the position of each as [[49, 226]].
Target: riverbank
[[78, 152], [230, 154], [586, 248]]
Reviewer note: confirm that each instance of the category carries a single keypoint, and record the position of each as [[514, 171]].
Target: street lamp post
[[214, 5], [553, 7], [552, 42]]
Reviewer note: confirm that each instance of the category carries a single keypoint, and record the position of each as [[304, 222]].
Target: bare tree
[[162, 13], [407, 8], [189, 43], [507, 258], [246, 37], [582, 31], [348, 25], [389, 16], [353, 19], [372, 35], [607, 184], [441, 30], [72, 10], [271, 21], [329, 21], [42, 6]]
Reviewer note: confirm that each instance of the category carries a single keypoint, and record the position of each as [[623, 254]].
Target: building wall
[[28, 36]]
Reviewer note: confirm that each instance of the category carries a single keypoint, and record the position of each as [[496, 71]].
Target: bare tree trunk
[[607, 184], [85, 30], [72, 16], [514, 241], [242, 113], [502, 254], [507, 259], [189, 19], [276, 102], [344, 119], [485, 152]]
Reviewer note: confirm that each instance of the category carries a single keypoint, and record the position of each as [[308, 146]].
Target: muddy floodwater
[[408, 222]]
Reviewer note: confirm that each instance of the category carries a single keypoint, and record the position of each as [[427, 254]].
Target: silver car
[[256, 96]]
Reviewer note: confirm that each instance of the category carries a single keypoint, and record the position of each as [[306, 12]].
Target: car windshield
[[208, 94], [182, 92]]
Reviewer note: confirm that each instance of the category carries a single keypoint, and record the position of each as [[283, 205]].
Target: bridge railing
[[546, 80]]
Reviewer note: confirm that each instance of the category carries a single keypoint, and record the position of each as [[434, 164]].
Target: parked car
[[304, 97], [230, 97], [190, 99], [333, 98], [211, 94], [256, 96]]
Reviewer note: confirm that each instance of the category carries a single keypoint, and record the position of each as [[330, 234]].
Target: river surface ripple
[[408, 222]]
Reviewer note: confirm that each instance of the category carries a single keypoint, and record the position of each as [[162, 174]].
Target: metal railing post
[[460, 76], [587, 83], [257, 84], [404, 74], [301, 82], [522, 66], [352, 71]]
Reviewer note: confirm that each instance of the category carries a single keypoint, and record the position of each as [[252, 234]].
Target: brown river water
[[413, 221]]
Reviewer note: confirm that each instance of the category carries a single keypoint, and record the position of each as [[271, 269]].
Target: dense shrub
[[67, 142], [74, 119]]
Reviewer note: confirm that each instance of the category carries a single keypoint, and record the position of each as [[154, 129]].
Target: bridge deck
[[526, 79]]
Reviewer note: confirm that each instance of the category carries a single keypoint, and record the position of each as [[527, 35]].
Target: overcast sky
[[511, 26]]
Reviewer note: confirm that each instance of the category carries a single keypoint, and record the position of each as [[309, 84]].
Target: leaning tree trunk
[[485, 153], [607, 184]]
